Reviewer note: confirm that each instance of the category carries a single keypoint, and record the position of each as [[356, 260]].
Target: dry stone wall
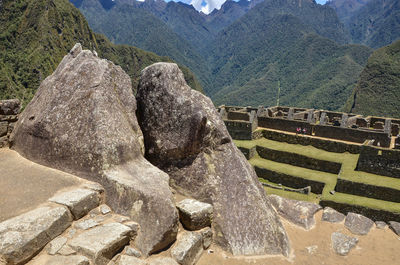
[[9, 112]]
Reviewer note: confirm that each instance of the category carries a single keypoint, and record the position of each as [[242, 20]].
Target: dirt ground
[[379, 247]]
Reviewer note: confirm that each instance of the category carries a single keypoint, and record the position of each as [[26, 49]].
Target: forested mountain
[[375, 23], [378, 90], [36, 34], [277, 42]]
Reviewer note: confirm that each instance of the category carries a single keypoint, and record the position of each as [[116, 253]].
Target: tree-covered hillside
[[378, 90], [36, 34], [276, 42]]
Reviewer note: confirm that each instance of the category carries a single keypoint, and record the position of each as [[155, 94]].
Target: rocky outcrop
[[82, 121], [185, 137]]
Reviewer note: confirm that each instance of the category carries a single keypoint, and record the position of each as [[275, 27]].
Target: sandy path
[[379, 247]]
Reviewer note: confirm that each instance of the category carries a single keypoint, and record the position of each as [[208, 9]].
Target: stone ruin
[[241, 123]]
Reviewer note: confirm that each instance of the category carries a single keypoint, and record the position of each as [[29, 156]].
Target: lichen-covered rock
[[82, 120], [185, 137], [358, 224], [194, 215], [342, 244], [298, 212]]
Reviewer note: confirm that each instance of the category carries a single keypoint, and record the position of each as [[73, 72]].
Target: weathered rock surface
[[129, 260], [395, 226], [206, 234], [332, 216], [381, 224], [194, 215], [58, 260], [10, 107], [358, 224], [188, 248], [298, 212], [342, 244], [102, 242], [82, 121], [78, 201], [162, 261], [23, 236], [185, 137]]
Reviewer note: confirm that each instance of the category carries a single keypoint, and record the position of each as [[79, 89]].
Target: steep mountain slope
[[36, 34], [376, 24], [345, 9], [378, 90], [128, 23], [277, 41]]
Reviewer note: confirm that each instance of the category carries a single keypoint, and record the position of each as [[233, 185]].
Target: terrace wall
[[379, 161]]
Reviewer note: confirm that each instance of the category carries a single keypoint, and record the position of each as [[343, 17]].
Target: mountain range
[[36, 34]]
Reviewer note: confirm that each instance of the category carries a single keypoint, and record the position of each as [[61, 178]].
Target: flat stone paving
[[24, 185]]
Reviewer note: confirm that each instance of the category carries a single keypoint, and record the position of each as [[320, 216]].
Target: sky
[[206, 6]]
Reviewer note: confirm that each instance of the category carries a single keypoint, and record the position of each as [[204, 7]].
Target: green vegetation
[[348, 172], [378, 90], [36, 34], [282, 41]]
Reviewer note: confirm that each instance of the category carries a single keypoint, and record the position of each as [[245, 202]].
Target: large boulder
[[185, 137], [82, 120]]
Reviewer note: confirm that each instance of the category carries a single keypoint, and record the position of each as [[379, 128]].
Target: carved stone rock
[[194, 215], [185, 137]]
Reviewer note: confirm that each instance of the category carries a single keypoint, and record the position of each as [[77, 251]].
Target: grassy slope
[[378, 90], [348, 162], [36, 34]]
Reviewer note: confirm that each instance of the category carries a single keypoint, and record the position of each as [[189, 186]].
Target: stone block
[[85, 224], [102, 242], [10, 107], [298, 212], [194, 215], [206, 235], [58, 260], [358, 224], [342, 244], [56, 245], [162, 261], [188, 248], [332, 216], [23, 236], [380, 224], [130, 251], [129, 260], [79, 201], [395, 226]]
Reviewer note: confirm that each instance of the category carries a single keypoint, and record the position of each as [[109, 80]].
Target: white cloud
[[207, 6]]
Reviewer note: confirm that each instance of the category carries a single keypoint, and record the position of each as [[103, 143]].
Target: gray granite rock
[[395, 226], [23, 236], [105, 209], [82, 120], [79, 201], [332, 216], [188, 248], [342, 244], [298, 212], [206, 235], [56, 244], [186, 137], [358, 224], [129, 260], [194, 215], [101, 243], [381, 224], [85, 224], [130, 251]]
